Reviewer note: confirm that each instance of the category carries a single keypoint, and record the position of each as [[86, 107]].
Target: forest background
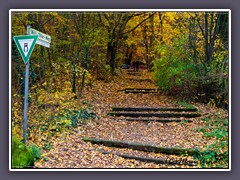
[[187, 54]]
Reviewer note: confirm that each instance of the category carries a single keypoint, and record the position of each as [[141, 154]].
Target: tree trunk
[[151, 43], [210, 35], [74, 68], [111, 55], [42, 71], [193, 44], [128, 56], [74, 77], [86, 66]]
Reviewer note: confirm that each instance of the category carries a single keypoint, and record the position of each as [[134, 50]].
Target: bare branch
[[199, 24], [139, 24]]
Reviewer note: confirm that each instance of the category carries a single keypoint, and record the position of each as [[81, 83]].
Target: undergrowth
[[50, 117], [216, 155]]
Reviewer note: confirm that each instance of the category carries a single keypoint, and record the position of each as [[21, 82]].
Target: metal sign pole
[[26, 97]]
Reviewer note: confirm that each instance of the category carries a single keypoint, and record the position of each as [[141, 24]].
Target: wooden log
[[134, 74], [153, 160], [140, 89], [158, 161], [140, 80], [140, 147], [141, 114], [156, 120], [152, 109], [142, 92]]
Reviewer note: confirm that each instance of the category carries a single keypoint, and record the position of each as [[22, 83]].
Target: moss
[[22, 156]]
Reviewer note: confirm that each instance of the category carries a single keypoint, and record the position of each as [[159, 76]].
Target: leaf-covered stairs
[[142, 114], [149, 114], [154, 114]]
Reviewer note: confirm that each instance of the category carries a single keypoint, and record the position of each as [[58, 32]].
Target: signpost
[[25, 45], [43, 39]]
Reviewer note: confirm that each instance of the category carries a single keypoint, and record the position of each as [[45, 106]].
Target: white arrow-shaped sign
[[43, 39], [25, 45]]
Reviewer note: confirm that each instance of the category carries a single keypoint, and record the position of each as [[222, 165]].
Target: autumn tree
[[148, 40], [193, 55], [85, 26], [116, 24], [216, 53]]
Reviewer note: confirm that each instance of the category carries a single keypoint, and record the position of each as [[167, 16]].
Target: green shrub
[[36, 151], [216, 154], [175, 69], [75, 117], [22, 156]]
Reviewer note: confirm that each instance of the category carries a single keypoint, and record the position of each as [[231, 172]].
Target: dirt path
[[72, 152]]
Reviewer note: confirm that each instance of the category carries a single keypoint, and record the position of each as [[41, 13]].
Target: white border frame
[[114, 10]]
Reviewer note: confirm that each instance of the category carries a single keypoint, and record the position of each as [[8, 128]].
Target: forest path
[[73, 152]]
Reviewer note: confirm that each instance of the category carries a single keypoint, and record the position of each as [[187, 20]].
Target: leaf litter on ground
[[75, 153]]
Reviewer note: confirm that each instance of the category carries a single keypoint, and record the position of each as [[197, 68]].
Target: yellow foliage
[[45, 83], [56, 97], [17, 116]]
